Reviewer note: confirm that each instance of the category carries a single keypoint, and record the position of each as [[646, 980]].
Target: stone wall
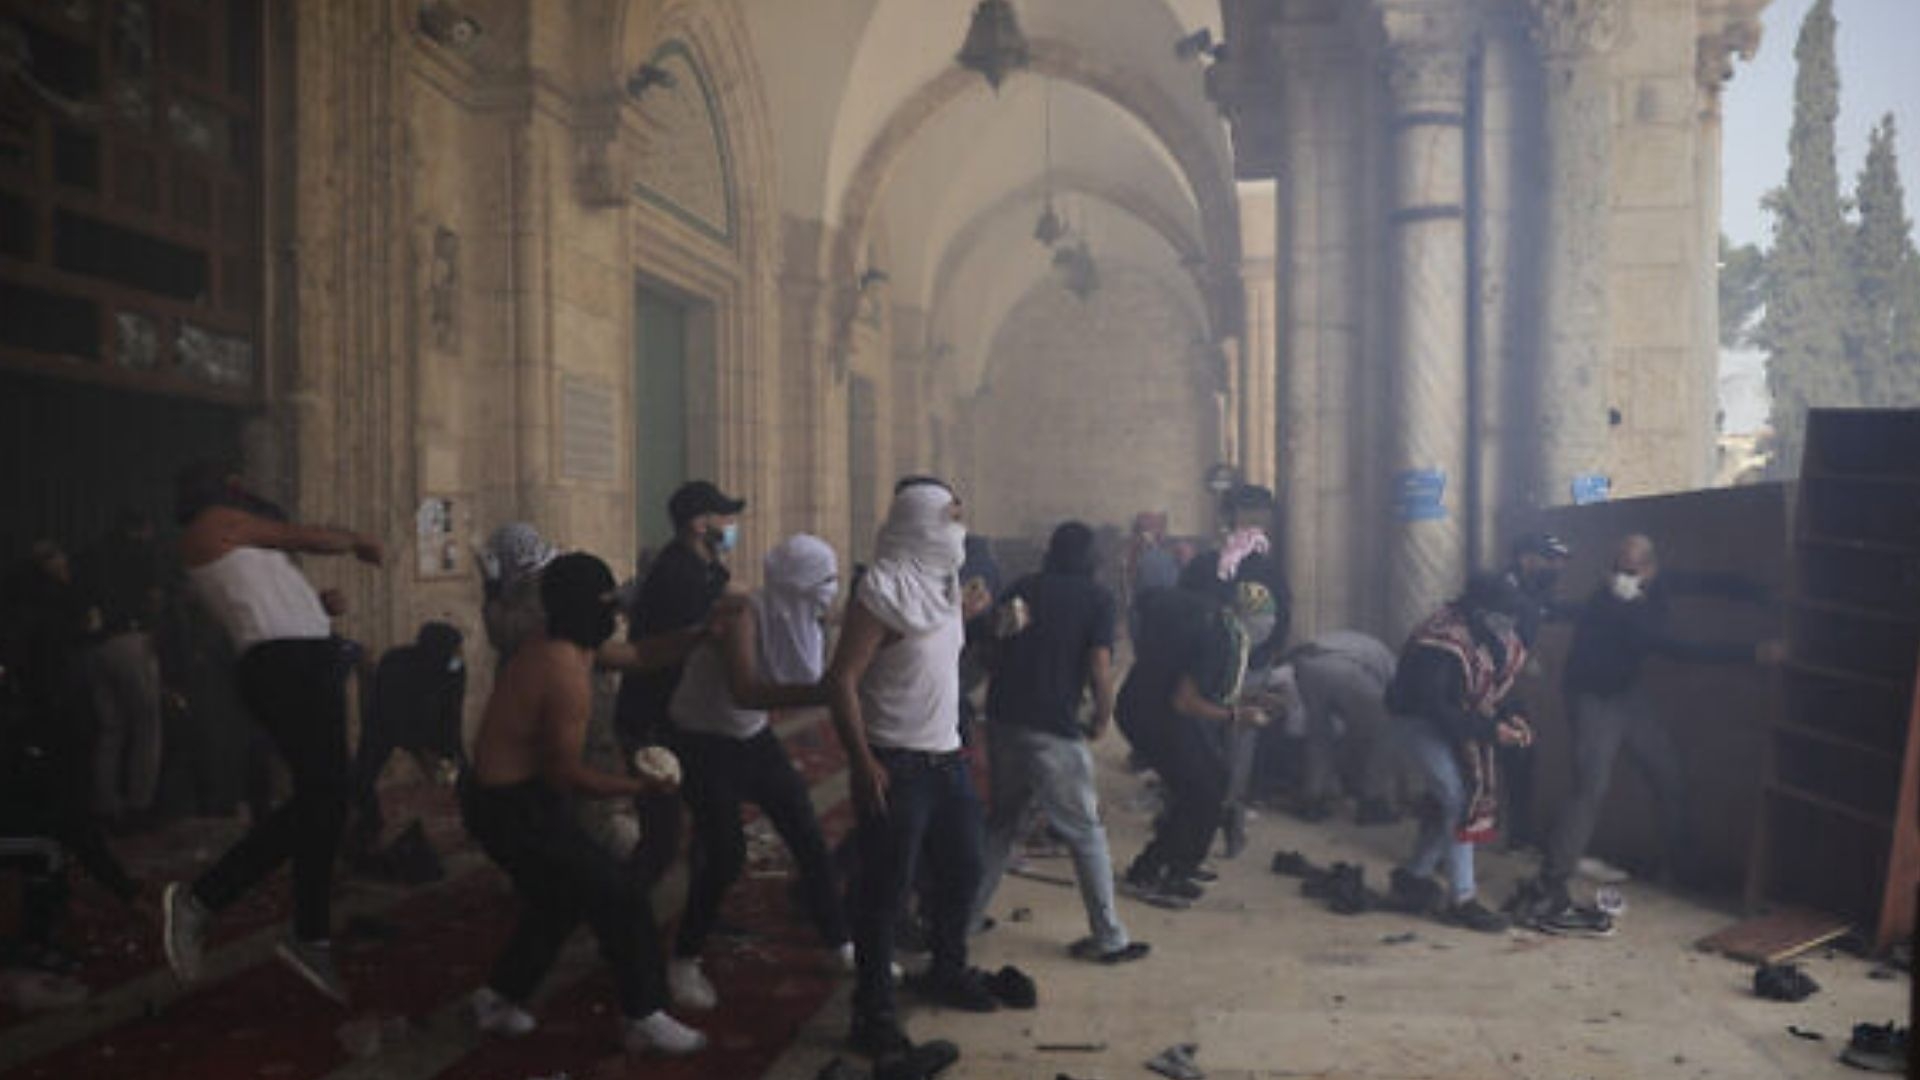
[[1093, 410]]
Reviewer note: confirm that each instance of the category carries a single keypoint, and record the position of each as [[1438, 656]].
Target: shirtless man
[[526, 763]]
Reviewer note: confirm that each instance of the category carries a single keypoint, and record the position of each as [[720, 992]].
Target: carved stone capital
[[1715, 50], [1574, 29], [1424, 75], [601, 170]]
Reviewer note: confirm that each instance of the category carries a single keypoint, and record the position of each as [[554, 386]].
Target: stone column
[[1572, 38], [1259, 352], [1715, 51], [1426, 78]]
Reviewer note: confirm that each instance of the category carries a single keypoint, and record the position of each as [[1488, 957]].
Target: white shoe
[[850, 961], [658, 1033], [689, 986], [495, 1015], [184, 933], [1601, 872]]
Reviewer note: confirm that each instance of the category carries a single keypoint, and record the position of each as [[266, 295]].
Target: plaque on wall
[[437, 527], [587, 435]]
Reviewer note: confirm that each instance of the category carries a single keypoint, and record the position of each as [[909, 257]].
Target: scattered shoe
[[1088, 949], [313, 961], [965, 991], [1203, 874], [1472, 915], [1573, 920], [1013, 988], [184, 931], [1176, 1063], [1291, 864], [495, 1015], [688, 984], [658, 1033], [922, 1062], [1877, 1048], [1783, 982]]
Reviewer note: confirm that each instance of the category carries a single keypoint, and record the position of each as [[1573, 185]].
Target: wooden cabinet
[[1840, 826]]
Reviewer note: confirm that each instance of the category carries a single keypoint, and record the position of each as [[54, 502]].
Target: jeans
[[930, 804], [1334, 687], [1028, 766], [124, 676], [1196, 782], [292, 689], [563, 877], [1601, 725], [1443, 812], [720, 773]]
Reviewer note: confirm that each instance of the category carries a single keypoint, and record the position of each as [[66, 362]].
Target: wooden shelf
[[1834, 607], [1805, 732], [1846, 676], [1875, 547], [1832, 806]]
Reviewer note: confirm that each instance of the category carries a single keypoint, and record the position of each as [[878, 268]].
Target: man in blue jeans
[[1449, 695], [1037, 747], [894, 688]]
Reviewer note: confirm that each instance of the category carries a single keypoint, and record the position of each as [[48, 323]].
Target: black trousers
[[292, 689], [718, 775], [1195, 777], [563, 878], [931, 808]]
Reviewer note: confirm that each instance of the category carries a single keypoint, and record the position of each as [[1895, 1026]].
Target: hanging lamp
[[994, 44]]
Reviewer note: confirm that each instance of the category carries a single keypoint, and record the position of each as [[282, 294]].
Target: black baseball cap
[[1545, 545], [1247, 497], [697, 497]]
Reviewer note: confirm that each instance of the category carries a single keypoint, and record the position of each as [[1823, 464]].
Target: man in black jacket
[[1625, 622]]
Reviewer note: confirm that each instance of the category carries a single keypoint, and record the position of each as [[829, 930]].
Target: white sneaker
[[184, 933], [689, 986], [658, 1033], [1602, 872], [495, 1015]]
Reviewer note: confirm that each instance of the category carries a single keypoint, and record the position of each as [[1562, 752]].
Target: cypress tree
[[1808, 299], [1886, 274]]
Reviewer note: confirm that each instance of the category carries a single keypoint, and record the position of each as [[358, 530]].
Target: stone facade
[[1392, 268]]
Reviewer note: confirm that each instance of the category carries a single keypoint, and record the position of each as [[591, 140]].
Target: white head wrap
[[513, 551], [802, 578], [913, 585]]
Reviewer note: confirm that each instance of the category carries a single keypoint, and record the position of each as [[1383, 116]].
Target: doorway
[[674, 407]]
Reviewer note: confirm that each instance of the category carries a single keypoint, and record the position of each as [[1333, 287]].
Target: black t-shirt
[[1614, 637], [1182, 633], [679, 591], [1041, 671]]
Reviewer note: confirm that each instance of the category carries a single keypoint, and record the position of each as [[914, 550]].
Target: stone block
[[1652, 308], [1641, 237], [1652, 167]]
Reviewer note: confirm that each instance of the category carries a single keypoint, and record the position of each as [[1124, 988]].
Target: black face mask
[[577, 592]]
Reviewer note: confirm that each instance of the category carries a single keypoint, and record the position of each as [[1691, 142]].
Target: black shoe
[[1291, 864], [1412, 894], [965, 991], [1202, 874], [1375, 812], [1182, 888], [1013, 988], [1471, 915], [923, 1062], [1783, 982], [877, 1037], [1877, 1048], [1088, 949], [1573, 920]]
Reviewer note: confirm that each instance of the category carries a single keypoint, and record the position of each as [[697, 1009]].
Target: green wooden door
[[660, 411]]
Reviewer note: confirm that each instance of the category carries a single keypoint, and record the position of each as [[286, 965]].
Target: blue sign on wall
[[1591, 488], [1418, 495]]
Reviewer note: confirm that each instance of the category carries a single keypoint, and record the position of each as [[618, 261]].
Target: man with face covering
[[768, 655], [526, 764], [1626, 621], [1038, 744], [678, 593], [1181, 703], [1449, 695], [894, 686]]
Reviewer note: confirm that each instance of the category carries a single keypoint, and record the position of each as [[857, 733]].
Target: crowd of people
[[595, 747]]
